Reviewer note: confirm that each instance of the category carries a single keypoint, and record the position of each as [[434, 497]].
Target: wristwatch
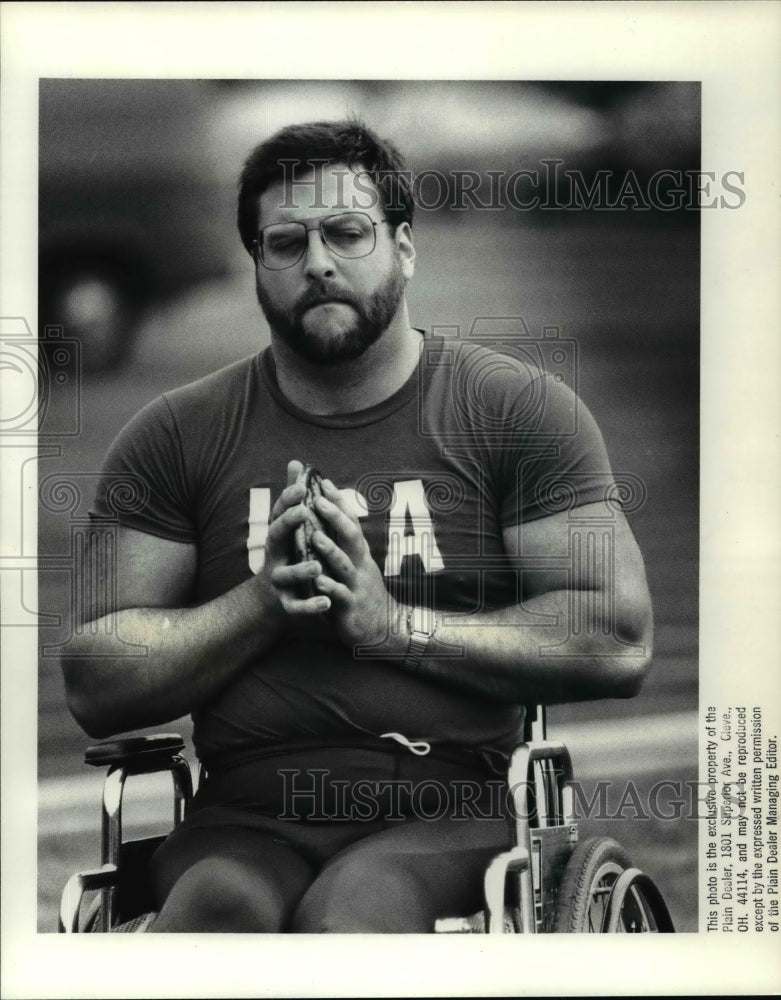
[[421, 626]]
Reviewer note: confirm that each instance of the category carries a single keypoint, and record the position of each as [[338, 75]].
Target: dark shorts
[[381, 841]]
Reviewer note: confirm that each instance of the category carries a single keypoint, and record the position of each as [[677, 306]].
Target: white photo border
[[732, 48]]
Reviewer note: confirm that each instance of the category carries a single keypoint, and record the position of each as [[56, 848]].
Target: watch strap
[[421, 626]]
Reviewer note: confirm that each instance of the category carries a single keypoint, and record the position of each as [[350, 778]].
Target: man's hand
[[285, 577], [363, 611]]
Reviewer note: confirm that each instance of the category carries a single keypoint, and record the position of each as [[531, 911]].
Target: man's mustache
[[323, 292]]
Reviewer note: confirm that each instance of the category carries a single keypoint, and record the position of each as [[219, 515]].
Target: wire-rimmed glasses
[[347, 234]]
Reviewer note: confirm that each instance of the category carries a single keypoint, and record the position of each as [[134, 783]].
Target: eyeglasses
[[348, 234]]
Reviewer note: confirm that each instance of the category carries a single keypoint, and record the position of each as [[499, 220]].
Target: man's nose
[[318, 259]]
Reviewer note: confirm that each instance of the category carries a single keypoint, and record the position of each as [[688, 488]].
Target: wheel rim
[[634, 916], [636, 906], [601, 886]]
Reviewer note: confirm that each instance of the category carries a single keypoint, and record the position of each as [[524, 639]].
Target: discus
[[303, 551]]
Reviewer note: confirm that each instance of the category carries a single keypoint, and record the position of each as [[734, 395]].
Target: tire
[[586, 899], [90, 922]]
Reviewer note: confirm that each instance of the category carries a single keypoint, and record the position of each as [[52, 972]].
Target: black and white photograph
[[363, 510], [526, 355]]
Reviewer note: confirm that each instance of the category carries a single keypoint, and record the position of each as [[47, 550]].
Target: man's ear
[[406, 248]]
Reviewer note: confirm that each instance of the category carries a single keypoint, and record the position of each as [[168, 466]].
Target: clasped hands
[[349, 590]]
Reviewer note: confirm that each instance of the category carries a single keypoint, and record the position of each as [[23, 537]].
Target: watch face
[[422, 620]]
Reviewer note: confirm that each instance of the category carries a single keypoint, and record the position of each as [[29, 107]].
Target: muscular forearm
[[557, 647], [146, 666]]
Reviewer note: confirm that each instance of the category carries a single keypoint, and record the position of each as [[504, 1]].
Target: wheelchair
[[547, 882]]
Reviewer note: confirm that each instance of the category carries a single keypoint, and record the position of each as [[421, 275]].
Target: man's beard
[[373, 316]]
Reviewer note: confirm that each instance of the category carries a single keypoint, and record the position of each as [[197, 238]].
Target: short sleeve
[[143, 482], [560, 460]]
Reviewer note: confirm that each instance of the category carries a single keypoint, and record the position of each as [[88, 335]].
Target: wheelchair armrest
[[77, 885], [137, 754]]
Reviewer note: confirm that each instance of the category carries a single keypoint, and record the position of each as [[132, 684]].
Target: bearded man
[[353, 709]]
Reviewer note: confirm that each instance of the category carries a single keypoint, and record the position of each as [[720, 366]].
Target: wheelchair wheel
[[91, 923], [601, 893]]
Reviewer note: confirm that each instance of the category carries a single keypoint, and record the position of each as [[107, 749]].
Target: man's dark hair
[[349, 142]]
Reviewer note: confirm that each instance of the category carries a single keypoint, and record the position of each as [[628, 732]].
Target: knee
[[363, 896], [216, 895]]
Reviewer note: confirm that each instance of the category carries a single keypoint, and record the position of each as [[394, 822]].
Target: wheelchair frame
[[544, 883]]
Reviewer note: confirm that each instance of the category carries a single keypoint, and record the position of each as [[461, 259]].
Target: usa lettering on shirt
[[410, 526]]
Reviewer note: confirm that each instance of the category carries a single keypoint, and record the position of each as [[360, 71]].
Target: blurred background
[[141, 265]]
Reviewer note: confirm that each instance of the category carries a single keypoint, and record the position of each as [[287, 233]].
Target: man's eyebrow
[[283, 212], [325, 215]]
